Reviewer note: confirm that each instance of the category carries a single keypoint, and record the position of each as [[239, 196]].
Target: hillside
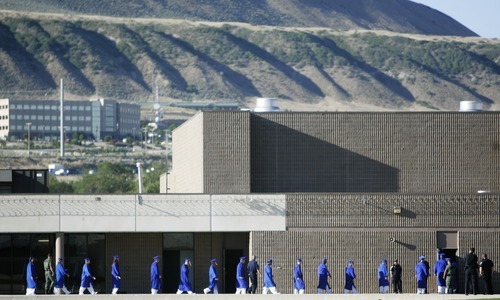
[[393, 15], [309, 68]]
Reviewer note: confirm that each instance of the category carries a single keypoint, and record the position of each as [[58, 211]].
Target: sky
[[480, 16]]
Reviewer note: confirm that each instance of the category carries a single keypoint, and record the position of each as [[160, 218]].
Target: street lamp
[[29, 138]]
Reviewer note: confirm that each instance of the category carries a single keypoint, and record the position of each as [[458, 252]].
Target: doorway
[[231, 260]]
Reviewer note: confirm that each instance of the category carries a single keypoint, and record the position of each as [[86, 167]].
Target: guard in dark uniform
[[471, 272], [486, 271], [253, 269], [396, 273]]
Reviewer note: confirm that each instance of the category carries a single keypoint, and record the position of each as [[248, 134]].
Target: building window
[[77, 246], [15, 249]]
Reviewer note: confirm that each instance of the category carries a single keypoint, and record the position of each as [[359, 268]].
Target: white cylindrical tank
[[267, 105], [470, 106]]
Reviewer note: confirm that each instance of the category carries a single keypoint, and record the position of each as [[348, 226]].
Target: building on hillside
[[4, 118], [206, 106], [360, 186], [97, 117]]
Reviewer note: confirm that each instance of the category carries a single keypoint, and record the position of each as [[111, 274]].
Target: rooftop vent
[[267, 105], [470, 106]]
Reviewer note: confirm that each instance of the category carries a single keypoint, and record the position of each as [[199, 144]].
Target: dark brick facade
[[419, 152], [364, 227], [226, 148], [448, 152]]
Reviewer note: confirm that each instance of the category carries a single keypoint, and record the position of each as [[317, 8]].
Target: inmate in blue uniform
[[421, 273], [439, 270], [212, 277], [241, 282], [155, 275], [323, 275], [383, 274], [60, 276], [298, 277], [115, 274], [268, 276], [184, 284], [349, 278], [31, 275], [86, 277]]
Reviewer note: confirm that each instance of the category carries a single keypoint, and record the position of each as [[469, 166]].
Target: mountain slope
[[192, 61], [393, 15]]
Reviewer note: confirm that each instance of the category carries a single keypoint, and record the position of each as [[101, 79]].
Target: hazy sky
[[480, 16]]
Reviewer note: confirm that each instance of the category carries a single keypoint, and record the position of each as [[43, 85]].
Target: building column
[[59, 245]]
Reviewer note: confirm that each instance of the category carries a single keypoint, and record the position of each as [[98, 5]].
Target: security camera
[[392, 239]]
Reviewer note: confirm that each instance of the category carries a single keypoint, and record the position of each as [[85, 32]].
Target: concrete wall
[[142, 213], [187, 172], [421, 152]]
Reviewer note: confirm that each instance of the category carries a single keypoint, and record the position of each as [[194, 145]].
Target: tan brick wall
[[187, 157]]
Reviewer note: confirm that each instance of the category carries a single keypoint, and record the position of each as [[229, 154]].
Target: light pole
[[29, 138]]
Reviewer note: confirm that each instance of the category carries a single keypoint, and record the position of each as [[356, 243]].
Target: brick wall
[[447, 152], [226, 152], [376, 210]]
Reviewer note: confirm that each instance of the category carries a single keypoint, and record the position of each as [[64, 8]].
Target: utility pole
[[61, 121], [29, 138]]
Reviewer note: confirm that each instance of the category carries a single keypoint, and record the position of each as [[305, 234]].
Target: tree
[[59, 187], [109, 178], [151, 180]]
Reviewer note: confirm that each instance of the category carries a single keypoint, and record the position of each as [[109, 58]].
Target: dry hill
[[393, 15]]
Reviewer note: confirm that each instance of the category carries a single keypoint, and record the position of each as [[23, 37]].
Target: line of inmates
[[444, 269]]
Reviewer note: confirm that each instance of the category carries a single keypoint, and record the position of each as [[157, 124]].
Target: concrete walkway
[[262, 297]]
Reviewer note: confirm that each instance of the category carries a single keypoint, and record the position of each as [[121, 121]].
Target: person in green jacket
[[449, 276], [48, 267]]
